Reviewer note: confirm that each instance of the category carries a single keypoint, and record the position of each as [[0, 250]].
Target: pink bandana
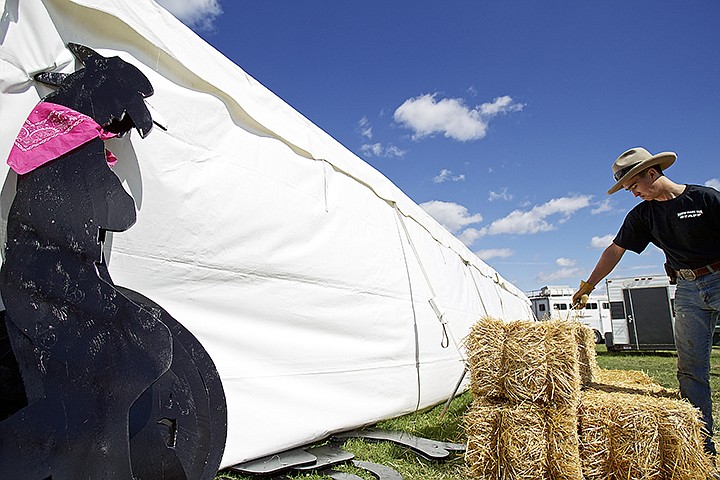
[[51, 131]]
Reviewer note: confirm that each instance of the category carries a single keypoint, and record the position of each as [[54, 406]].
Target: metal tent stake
[[452, 396]]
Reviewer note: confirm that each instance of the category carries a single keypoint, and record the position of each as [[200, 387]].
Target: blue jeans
[[697, 308]]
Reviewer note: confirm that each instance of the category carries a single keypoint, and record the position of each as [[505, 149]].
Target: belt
[[692, 274]]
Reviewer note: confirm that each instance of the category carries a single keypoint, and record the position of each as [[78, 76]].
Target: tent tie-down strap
[[445, 341], [477, 289], [446, 332], [415, 325]]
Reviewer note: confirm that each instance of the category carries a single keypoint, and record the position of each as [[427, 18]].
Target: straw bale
[[563, 452], [632, 382], [521, 441], [634, 441], [485, 345], [593, 416], [586, 353], [482, 421], [525, 361], [618, 436], [529, 361], [640, 437], [681, 446], [624, 377], [563, 369]]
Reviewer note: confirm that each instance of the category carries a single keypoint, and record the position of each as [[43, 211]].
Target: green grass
[[660, 366], [426, 424]]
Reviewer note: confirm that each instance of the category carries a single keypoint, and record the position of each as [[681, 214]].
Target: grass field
[[659, 365]]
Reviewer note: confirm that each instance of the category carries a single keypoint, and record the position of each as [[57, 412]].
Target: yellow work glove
[[581, 296]]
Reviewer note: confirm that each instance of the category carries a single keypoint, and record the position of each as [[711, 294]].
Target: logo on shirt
[[690, 214]]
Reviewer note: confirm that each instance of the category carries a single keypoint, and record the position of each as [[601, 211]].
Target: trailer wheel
[[598, 337]]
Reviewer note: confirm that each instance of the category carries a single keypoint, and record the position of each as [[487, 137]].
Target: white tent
[[306, 274]]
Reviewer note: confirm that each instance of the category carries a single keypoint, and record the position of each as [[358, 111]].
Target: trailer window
[[591, 306], [560, 306], [605, 305], [617, 310], [541, 307]]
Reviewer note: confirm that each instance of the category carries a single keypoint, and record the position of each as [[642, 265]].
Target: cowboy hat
[[635, 161]]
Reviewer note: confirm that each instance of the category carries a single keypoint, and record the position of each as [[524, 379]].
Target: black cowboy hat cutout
[[108, 89]]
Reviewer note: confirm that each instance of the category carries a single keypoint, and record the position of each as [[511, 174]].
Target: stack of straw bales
[[543, 409], [526, 378], [625, 435]]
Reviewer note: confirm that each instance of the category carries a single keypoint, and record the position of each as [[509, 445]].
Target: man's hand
[[581, 296]]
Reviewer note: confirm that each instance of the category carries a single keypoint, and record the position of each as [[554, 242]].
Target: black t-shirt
[[686, 228]]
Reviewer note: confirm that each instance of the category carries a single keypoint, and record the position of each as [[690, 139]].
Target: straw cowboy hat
[[635, 161]]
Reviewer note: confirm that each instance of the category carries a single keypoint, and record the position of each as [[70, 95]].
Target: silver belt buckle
[[686, 274]]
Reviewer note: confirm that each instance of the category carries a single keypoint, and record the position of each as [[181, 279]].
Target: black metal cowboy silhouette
[[96, 360]]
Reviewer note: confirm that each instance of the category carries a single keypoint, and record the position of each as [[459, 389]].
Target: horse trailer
[[642, 313], [555, 302]]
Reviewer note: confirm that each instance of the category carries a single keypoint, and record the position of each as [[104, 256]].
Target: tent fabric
[[305, 273]]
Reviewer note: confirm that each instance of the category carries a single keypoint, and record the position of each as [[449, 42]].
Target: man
[[684, 222]]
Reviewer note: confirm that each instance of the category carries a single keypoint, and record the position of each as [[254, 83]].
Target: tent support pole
[[452, 396]]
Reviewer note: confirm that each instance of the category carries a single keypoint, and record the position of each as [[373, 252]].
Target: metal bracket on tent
[[380, 471], [430, 449], [436, 308], [441, 317], [325, 456], [340, 475], [298, 459], [320, 459], [275, 463]]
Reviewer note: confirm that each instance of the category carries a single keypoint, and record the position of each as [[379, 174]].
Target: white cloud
[[443, 176], [714, 183], [378, 150], [365, 128], [372, 149], [489, 253], [393, 151], [450, 215], [561, 274], [425, 115], [601, 242], [198, 14], [567, 270], [446, 175], [502, 104], [501, 195], [470, 235], [602, 207], [535, 220], [565, 262]]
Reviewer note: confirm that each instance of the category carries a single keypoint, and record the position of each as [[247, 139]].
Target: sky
[[502, 119]]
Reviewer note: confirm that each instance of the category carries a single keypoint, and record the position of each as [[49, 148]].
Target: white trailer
[[555, 302], [642, 313]]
